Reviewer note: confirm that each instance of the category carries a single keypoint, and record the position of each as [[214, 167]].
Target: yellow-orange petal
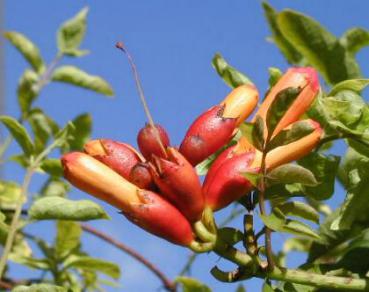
[[303, 77], [94, 147], [240, 103], [93, 177], [292, 151]]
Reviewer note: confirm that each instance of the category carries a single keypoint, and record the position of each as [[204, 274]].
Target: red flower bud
[[144, 208], [140, 176], [303, 77], [118, 156], [215, 128], [148, 143], [179, 183], [226, 182]]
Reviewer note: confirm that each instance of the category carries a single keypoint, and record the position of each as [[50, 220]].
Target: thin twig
[[168, 284], [268, 240]]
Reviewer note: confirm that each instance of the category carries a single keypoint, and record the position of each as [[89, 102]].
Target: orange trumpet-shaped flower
[[215, 128], [225, 181], [305, 78], [179, 183], [144, 208]]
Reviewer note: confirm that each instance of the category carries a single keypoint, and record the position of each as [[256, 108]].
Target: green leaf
[[52, 166], [346, 107], [274, 75], [93, 264], [231, 76], [324, 168], [19, 133], [83, 126], [10, 193], [230, 235], [267, 287], [325, 51], [355, 39], [240, 288], [287, 49], [67, 238], [27, 91], [40, 288], [291, 173], [55, 187], [71, 34], [278, 222], [192, 285], [63, 209], [355, 208], [353, 255], [279, 107], [356, 85], [43, 128], [258, 133], [298, 130], [40, 264], [252, 177], [73, 75], [27, 48], [299, 209]]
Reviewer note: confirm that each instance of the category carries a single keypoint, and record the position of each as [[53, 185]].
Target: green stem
[[316, 280], [18, 210], [14, 224], [232, 254]]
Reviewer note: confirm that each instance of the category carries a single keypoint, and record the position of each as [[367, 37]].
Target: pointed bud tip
[[95, 147], [311, 75]]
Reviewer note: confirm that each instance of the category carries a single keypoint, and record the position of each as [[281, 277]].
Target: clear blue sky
[[173, 43]]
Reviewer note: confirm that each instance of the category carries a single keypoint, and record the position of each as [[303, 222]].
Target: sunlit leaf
[[67, 237], [40, 288], [54, 187], [356, 85], [27, 48], [298, 130], [279, 106], [274, 75], [83, 126], [355, 39], [192, 285], [71, 34], [19, 133], [324, 169], [324, 53], [291, 173], [73, 75], [63, 209], [299, 209], [230, 75], [93, 264], [287, 49], [27, 91], [52, 166]]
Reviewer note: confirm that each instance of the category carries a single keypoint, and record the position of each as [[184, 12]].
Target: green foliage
[[231, 76], [57, 208], [71, 34], [73, 75], [291, 173], [355, 39], [279, 107], [192, 285], [19, 133], [40, 288], [298, 130], [277, 221], [28, 49]]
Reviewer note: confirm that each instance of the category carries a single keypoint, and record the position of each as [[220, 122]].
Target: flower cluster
[[160, 190]]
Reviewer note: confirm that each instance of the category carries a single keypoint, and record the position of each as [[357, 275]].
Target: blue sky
[[173, 43]]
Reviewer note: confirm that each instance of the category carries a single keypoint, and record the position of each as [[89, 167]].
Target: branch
[[168, 284]]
